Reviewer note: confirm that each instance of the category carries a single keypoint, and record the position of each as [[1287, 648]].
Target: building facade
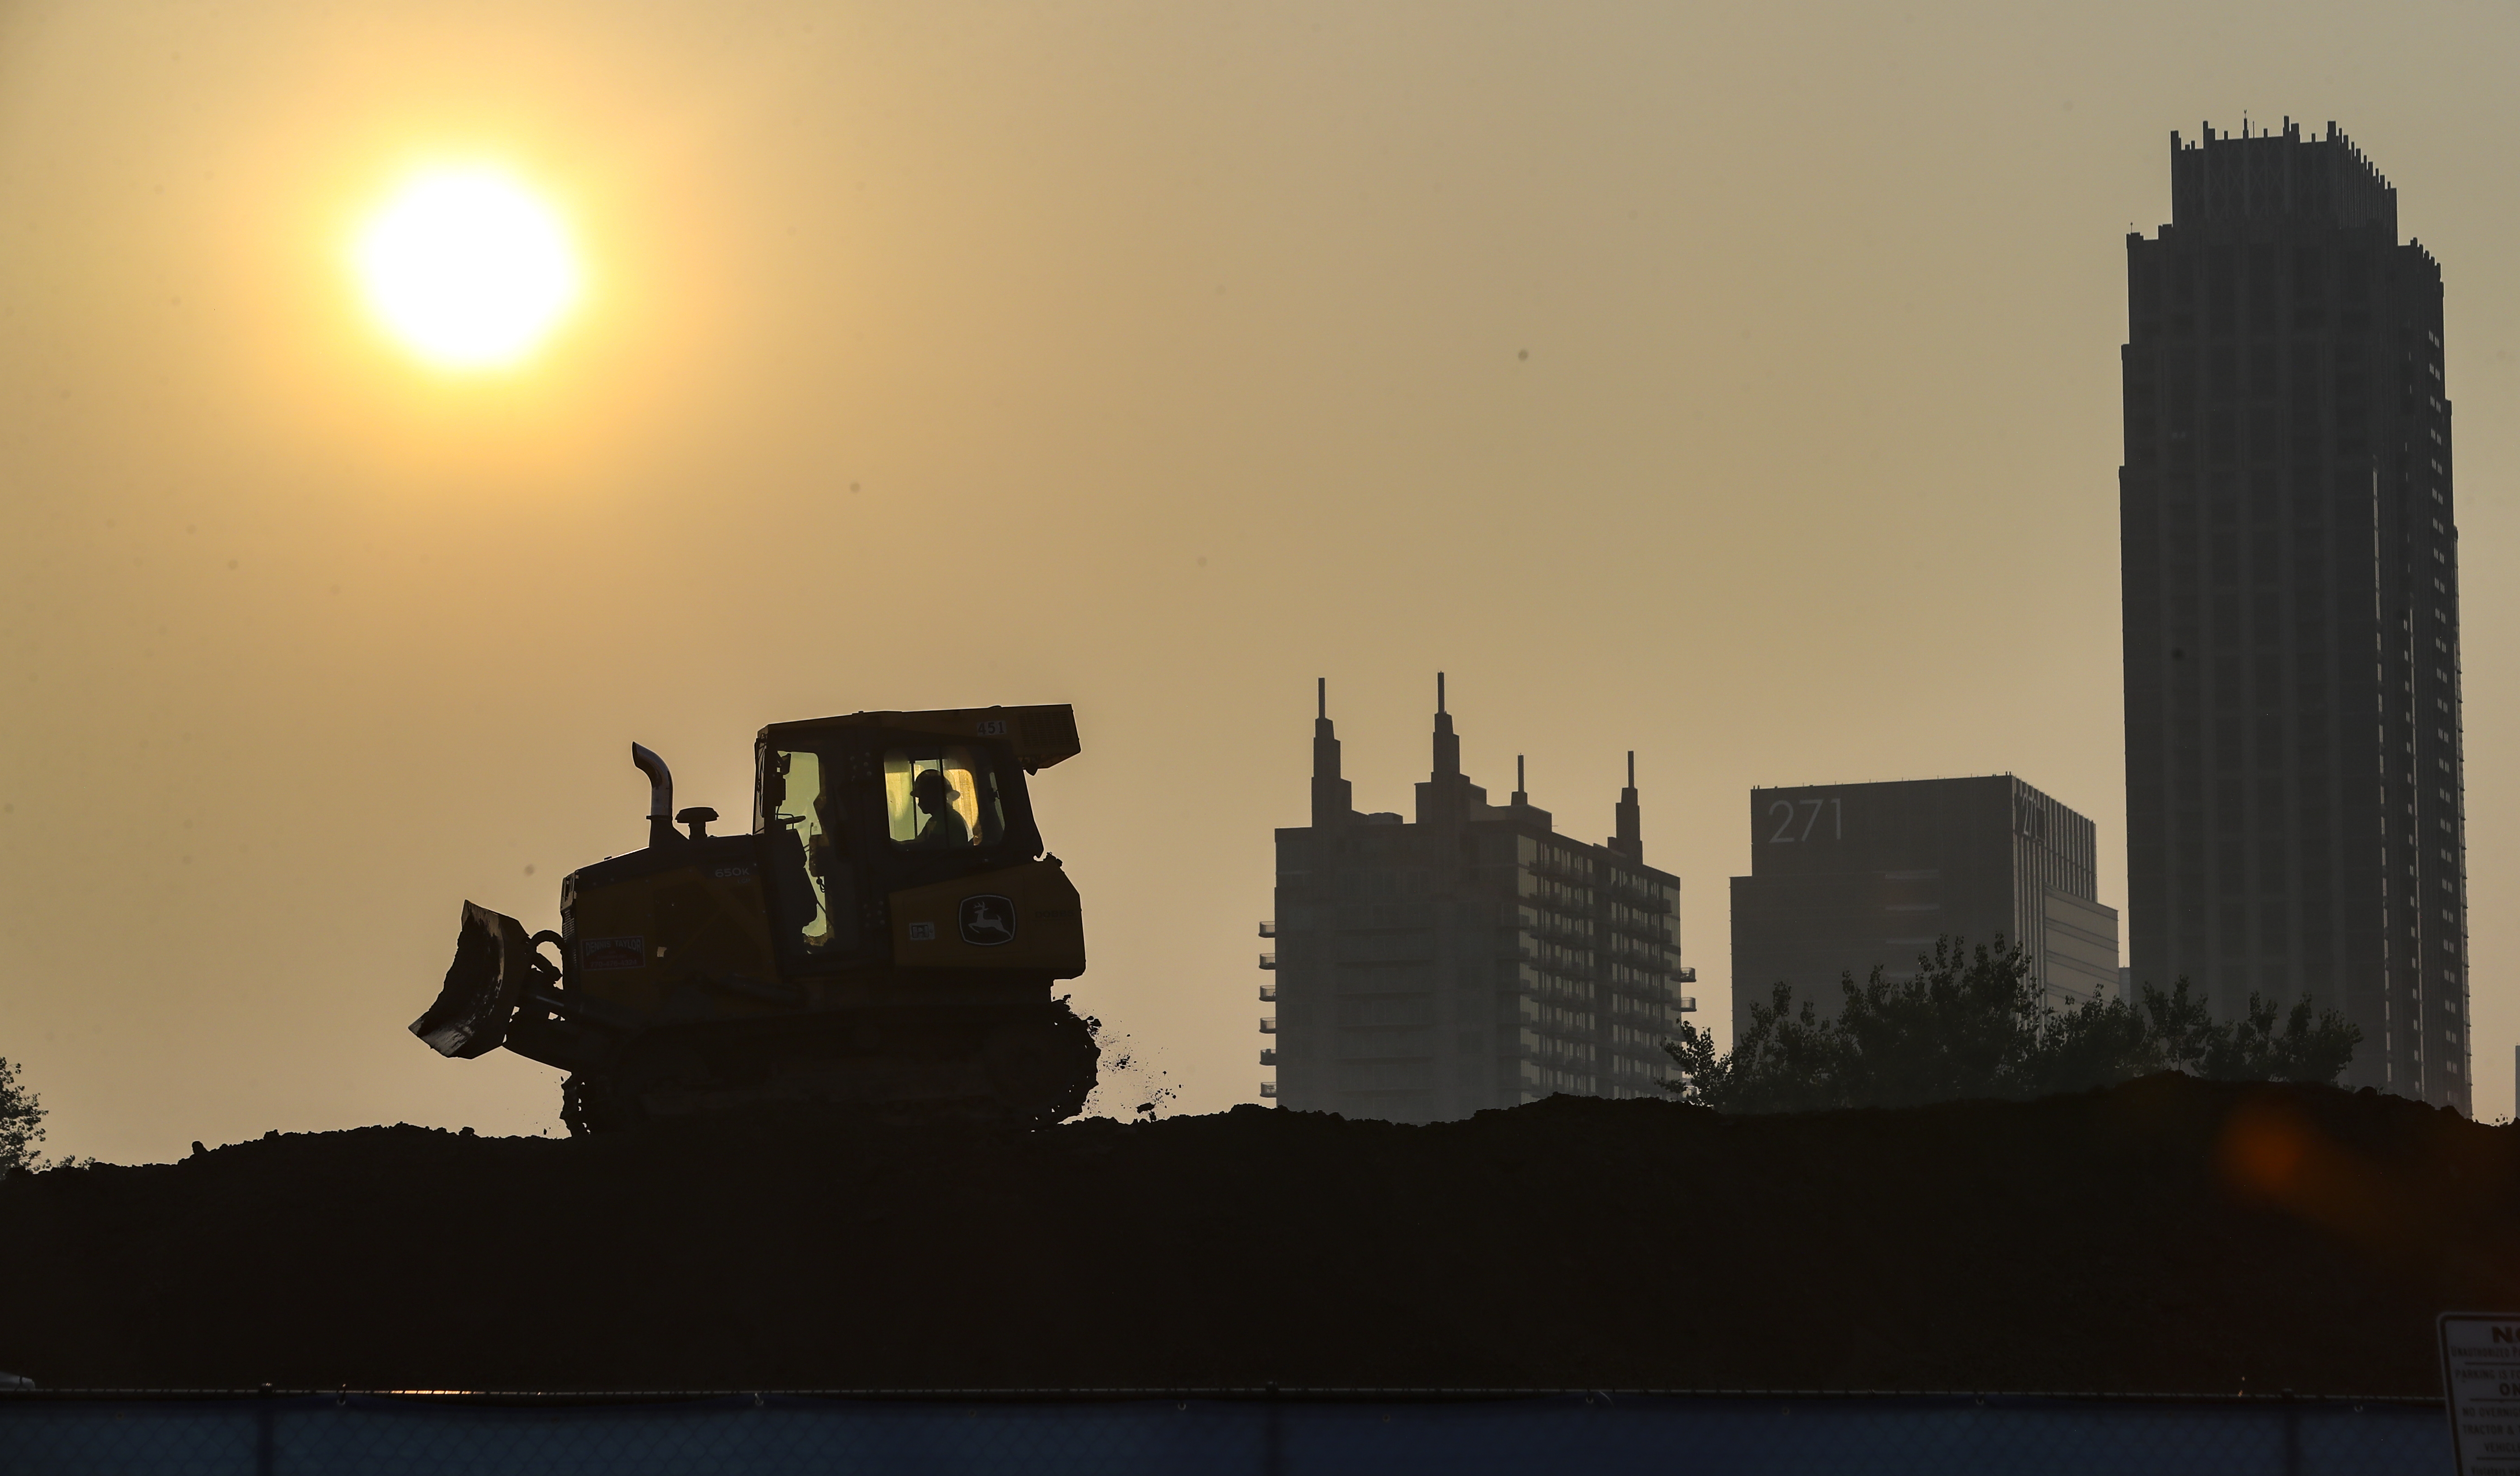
[[1471, 958], [1847, 877], [2295, 786]]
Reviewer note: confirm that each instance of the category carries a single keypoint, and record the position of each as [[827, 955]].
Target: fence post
[[2292, 1435], [1273, 1450], [262, 1435]]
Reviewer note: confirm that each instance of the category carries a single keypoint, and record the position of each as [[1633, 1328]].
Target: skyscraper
[[1474, 957], [2295, 810], [1847, 877]]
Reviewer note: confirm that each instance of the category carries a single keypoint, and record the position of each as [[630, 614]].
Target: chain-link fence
[[1291, 1434]]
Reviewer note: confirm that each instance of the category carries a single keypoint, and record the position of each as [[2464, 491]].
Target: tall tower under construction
[[2295, 791]]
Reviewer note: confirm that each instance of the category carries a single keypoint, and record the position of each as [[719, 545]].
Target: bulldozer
[[886, 940]]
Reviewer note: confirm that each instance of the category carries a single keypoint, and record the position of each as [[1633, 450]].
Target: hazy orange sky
[[1732, 384]]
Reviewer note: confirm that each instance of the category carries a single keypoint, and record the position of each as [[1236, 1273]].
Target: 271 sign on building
[[2480, 1354]]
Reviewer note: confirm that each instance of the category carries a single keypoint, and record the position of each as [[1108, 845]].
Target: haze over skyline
[[1738, 386]]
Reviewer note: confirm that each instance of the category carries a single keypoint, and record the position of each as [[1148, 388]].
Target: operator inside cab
[[943, 798], [944, 827]]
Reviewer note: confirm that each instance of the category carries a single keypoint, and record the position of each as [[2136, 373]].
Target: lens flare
[[467, 268]]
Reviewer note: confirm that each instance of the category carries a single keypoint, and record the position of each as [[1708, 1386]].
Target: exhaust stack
[[660, 795]]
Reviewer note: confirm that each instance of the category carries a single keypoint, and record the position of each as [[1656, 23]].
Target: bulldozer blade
[[493, 964]]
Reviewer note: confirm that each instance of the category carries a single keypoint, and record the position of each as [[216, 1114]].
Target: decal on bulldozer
[[613, 953], [956, 925], [988, 920]]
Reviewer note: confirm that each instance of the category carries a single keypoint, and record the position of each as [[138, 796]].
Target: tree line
[[1974, 1023]]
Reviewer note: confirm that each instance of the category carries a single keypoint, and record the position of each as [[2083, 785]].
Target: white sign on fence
[[2480, 1354]]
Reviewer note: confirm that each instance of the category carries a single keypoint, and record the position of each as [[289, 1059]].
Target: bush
[[1975, 1024]]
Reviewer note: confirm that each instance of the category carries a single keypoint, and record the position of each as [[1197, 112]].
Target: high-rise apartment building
[[2295, 810], [1474, 957], [1847, 877]]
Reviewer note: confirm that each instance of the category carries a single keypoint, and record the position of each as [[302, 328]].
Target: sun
[[467, 267]]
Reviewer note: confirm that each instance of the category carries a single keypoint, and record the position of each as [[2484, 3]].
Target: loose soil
[[2167, 1236]]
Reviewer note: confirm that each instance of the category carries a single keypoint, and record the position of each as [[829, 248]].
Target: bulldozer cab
[[851, 811]]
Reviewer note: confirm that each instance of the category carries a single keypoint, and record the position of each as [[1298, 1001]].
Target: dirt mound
[[2167, 1236]]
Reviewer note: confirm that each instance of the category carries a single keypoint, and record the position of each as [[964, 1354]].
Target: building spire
[[1448, 744], [1333, 798], [1448, 795], [1630, 841], [1519, 797]]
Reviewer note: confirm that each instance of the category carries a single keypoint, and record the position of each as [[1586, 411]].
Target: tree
[[1780, 1062], [2101, 1042], [1958, 1028], [1976, 1024], [2309, 1050], [22, 1122]]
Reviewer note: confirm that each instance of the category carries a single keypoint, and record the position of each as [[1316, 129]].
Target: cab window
[[942, 799], [802, 813]]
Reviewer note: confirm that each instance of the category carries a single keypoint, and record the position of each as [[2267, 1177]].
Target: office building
[[1847, 877], [2295, 817], [1469, 957]]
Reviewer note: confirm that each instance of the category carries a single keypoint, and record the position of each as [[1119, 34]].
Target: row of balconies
[[1643, 899], [1269, 996], [1583, 953], [1656, 965], [1576, 932], [1550, 990], [1643, 1029], [1566, 1023], [1659, 933], [1653, 961], [1552, 957], [1550, 896], [1573, 929], [1572, 871], [1539, 1045], [1539, 1080], [1535, 1048], [1659, 987]]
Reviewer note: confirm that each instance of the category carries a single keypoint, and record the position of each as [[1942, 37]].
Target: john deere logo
[[988, 921]]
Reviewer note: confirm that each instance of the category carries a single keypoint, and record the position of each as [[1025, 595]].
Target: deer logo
[[988, 920]]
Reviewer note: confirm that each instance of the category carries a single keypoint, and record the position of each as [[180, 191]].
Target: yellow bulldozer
[[885, 939]]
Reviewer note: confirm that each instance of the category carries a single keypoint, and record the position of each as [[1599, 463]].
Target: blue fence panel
[[774, 1434]]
